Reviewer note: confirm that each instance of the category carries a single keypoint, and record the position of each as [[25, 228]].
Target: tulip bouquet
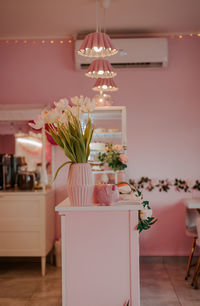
[[114, 156], [64, 126]]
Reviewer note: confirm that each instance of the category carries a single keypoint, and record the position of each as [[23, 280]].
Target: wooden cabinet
[[27, 224]]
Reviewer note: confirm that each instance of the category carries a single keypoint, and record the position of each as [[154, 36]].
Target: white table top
[[128, 203], [192, 203]]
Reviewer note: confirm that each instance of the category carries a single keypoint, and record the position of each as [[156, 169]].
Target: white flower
[[62, 104], [145, 213], [88, 105], [77, 101], [38, 123], [50, 116]]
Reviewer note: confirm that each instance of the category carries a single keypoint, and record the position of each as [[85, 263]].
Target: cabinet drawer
[[20, 212], [20, 243]]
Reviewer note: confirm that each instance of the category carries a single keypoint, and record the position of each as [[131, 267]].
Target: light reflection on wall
[[31, 148]]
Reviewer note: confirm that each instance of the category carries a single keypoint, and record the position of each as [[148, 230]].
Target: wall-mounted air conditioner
[[133, 52]]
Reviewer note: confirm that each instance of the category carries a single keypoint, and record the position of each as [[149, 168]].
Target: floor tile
[[13, 302], [17, 288], [162, 284], [48, 288], [47, 301]]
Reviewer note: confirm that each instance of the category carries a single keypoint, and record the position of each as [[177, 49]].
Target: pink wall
[[162, 119]]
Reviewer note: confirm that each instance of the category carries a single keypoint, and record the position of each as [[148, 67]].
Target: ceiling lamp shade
[[103, 99], [97, 44], [100, 68], [105, 85]]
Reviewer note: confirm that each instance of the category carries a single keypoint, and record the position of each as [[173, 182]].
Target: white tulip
[[62, 104], [88, 105], [77, 101], [38, 123], [50, 116]]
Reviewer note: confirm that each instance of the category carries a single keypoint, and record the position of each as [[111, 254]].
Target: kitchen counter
[[12, 192]]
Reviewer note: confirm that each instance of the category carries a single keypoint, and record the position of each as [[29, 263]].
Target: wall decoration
[[145, 220], [164, 185]]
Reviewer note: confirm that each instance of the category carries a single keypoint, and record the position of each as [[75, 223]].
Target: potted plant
[[64, 126], [114, 156]]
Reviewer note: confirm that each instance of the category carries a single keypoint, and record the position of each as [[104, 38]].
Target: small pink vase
[[80, 184]]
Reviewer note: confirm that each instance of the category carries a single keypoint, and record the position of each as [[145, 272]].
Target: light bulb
[[96, 49], [100, 72]]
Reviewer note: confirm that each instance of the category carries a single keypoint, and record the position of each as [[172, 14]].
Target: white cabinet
[[27, 224], [27, 218], [100, 262]]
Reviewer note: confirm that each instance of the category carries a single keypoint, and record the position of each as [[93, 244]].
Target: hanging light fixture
[[103, 85], [100, 69], [103, 99], [97, 44]]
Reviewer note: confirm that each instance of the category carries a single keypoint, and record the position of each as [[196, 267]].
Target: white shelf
[[105, 113], [107, 135], [104, 171]]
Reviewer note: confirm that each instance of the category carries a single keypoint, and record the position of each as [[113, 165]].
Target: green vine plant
[[165, 185], [146, 220]]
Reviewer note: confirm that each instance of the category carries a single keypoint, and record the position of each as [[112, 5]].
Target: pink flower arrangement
[[118, 148], [114, 156], [123, 158]]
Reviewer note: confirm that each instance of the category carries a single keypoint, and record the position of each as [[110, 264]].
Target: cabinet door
[[100, 261], [21, 225]]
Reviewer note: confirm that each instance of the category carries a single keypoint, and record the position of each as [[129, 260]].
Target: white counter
[[100, 253], [128, 203], [192, 203]]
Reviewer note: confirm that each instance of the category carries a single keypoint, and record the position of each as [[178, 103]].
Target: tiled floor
[[162, 284]]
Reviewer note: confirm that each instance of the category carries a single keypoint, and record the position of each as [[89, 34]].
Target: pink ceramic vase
[[80, 184]]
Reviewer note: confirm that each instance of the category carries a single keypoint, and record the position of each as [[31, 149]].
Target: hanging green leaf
[[69, 162]]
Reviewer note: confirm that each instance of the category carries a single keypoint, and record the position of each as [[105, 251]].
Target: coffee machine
[[9, 170], [5, 171]]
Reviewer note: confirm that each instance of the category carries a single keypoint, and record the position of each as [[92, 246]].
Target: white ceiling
[[63, 18]]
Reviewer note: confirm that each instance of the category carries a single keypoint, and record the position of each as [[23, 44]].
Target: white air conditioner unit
[[133, 52]]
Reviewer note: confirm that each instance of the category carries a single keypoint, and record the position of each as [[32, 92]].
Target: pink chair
[[197, 268], [191, 231]]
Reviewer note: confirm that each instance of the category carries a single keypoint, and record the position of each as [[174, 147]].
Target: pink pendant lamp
[[105, 85], [100, 69], [97, 44]]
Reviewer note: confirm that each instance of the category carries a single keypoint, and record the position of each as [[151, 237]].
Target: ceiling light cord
[[104, 20], [97, 28]]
